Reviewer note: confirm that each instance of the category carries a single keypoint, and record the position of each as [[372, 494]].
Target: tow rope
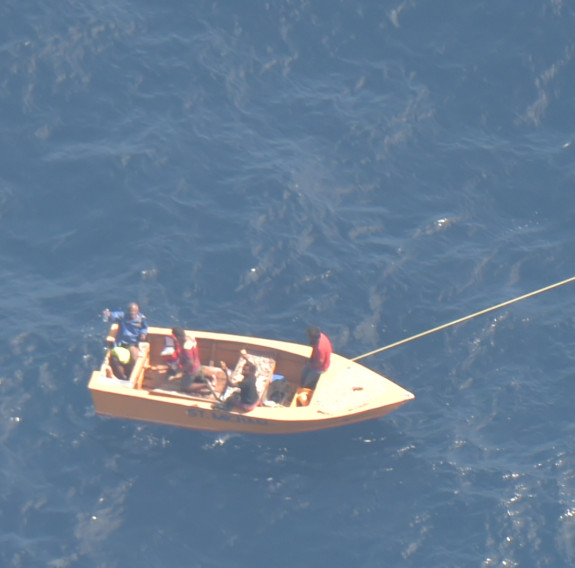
[[466, 318]]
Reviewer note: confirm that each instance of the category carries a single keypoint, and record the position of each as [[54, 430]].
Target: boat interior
[[278, 372]]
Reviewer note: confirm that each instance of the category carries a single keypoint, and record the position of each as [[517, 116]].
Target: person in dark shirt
[[249, 395], [246, 397], [319, 360]]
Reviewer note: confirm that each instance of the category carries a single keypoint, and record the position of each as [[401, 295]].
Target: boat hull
[[347, 393]]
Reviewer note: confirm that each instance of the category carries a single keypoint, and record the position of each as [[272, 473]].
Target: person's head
[[249, 369], [133, 310], [313, 334], [179, 334]]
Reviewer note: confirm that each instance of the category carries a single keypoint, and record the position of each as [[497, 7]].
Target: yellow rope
[[460, 320]]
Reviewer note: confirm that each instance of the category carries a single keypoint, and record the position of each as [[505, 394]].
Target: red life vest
[[187, 356]]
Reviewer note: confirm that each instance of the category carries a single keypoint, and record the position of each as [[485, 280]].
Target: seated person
[[133, 327], [183, 358], [246, 396], [121, 362]]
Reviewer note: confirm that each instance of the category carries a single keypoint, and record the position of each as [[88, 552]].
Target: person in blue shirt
[[133, 328]]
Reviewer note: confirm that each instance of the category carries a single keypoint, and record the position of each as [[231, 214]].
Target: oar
[[177, 376], [212, 389]]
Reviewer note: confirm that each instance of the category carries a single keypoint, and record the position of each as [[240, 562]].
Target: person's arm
[[115, 317], [314, 360], [144, 329]]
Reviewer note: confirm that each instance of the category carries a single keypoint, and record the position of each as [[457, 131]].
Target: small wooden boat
[[347, 393]]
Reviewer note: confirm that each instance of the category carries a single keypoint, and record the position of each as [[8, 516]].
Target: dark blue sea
[[373, 168]]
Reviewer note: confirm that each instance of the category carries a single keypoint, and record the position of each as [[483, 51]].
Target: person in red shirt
[[319, 361], [183, 359]]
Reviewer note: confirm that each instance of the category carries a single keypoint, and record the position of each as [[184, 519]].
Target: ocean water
[[373, 168]]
